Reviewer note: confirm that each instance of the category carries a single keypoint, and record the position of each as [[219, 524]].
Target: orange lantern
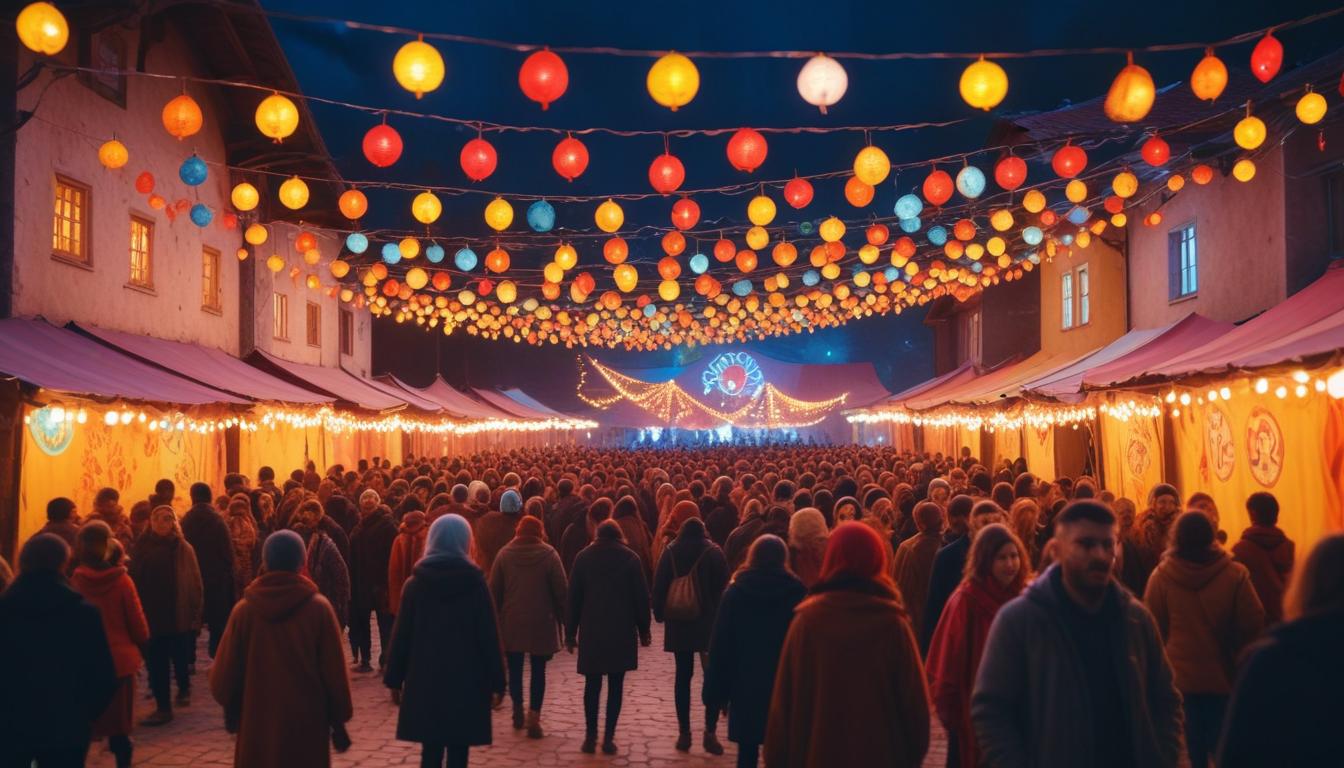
[[905, 247], [784, 254], [964, 230], [877, 234], [182, 117], [497, 261], [615, 250], [685, 213], [1201, 174], [1131, 95], [353, 204], [669, 268], [305, 242], [1209, 78], [441, 281], [746, 260], [724, 250], [858, 193], [674, 243]]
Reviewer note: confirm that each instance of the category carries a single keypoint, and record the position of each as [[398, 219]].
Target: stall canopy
[[43, 355], [528, 401], [452, 400], [1002, 382], [209, 366], [413, 399], [336, 382], [508, 405], [956, 376]]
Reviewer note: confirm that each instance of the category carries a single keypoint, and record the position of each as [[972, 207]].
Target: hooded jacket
[[608, 608], [370, 556], [912, 569], [112, 592], [406, 551], [492, 531], [204, 528], [696, 555], [1268, 555], [528, 585], [168, 581]]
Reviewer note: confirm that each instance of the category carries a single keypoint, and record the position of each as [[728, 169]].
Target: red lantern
[[230, 221], [877, 234], [1010, 172], [798, 192], [746, 260], [747, 150], [144, 183], [1267, 58], [305, 242], [669, 268], [615, 250], [905, 247], [666, 173], [1049, 218], [674, 243], [442, 281], [1069, 161], [570, 158], [543, 77], [478, 159], [585, 282], [382, 145], [938, 187], [724, 250], [1155, 151], [485, 286], [685, 213]]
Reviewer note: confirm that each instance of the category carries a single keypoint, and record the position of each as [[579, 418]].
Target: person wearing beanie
[[62, 520], [829, 664], [753, 618], [59, 674], [1144, 547], [940, 491], [168, 579], [606, 609], [528, 584], [370, 555], [913, 565], [495, 528], [279, 672], [444, 664]]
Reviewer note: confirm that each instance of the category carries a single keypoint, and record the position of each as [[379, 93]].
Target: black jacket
[[445, 655], [370, 550], [608, 608], [753, 619], [702, 558], [208, 534], [338, 537], [55, 665], [948, 565]]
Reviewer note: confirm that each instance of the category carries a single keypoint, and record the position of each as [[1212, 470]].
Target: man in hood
[[207, 533], [1267, 553]]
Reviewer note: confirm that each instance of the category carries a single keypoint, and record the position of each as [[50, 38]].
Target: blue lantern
[[971, 182], [977, 267], [434, 253], [201, 215], [1079, 215], [1032, 235], [811, 277], [910, 226], [742, 287], [391, 253], [699, 263], [806, 227], [465, 259], [650, 310], [891, 273], [193, 171], [938, 235], [541, 216], [357, 242], [1034, 257], [1066, 239], [908, 206]]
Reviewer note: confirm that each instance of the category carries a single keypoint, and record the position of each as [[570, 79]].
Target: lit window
[[1066, 300], [210, 280], [1084, 296], [142, 252], [280, 305], [1182, 263], [347, 332], [314, 325], [67, 223]]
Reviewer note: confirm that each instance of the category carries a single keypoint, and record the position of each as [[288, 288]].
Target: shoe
[[364, 667], [608, 747], [355, 666], [684, 742], [518, 721], [534, 725], [183, 699], [589, 745], [158, 717], [712, 745]]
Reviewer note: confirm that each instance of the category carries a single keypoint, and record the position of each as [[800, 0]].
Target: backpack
[[683, 599]]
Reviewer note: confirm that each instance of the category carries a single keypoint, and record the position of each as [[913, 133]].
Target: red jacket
[[113, 593], [406, 551], [1268, 555]]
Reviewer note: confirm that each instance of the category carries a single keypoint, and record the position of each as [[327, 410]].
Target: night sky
[[333, 61]]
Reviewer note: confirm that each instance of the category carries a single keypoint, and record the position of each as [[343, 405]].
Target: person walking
[[107, 508], [528, 584], [495, 528], [168, 580], [637, 538], [59, 674], [914, 563], [325, 567], [207, 533], [1149, 537], [62, 520], [444, 665], [606, 611], [407, 549], [839, 697], [807, 544], [245, 539], [279, 672], [749, 631], [1073, 671], [1207, 612], [1266, 552], [370, 556], [966, 516], [997, 570]]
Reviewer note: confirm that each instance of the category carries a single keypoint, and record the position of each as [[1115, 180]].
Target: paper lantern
[[506, 292], [699, 263], [1310, 108], [1201, 174], [724, 250], [666, 173], [673, 81], [822, 81], [113, 154], [1176, 182], [784, 254], [747, 150], [1010, 172], [877, 234], [674, 243], [970, 182], [798, 192], [193, 171], [566, 257], [1068, 161], [1001, 220], [417, 278], [356, 242], [964, 230], [669, 290], [1267, 58], [42, 28], [255, 234], [382, 145], [626, 277], [938, 187], [983, 84], [615, 250], [275, 263], [857, 193], [831, 230], [868, 253], [685, 213], [499, 214], [1034, 201], [408, 247], [1131, 95], [293, 193], [465, 259], [201, 215], [872, 166], [570, 158], [305, 241], [426, 208], [543, 77], [1155, 151], [1075, 191], [497, 261], [277, 117], [441, 281], [1249, 132], [757, 238], [418, 67], [1243, 170], [144, 182], [1209, 77], [242, 254], [478, 159], [541, 216], [182, 117], [353, 204], [244, 196], [552, 273], [745, 260], [908, 206], [704, 284], [1125, 184], [669, 268], [609, 216]]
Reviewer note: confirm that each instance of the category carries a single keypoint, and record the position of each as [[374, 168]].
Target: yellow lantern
[[1176, 183], [1249, 132], [1117, 220], [1131, 95], [499, 214], [1083, 239], [1075, 191], [293, 193], [862, 279], [340, 268], [417, 278], [255, 234], [553, 273], [757, 238], [42, 28], [609, 216], [626, 277], [761, 210], [506, 292], [244, 196], [113, 154], [409, 247], [466, 297], [426, 207], [983, 84], [182, 117], [418, 67], [1209, 78], [974, 251], [1311, 108], [566, 257], [312, 282], [673, 81], [1125, 184], [830, 271], [1243, 170], [669, 290], [277, 117], [312, 256], [275, 263], [832, 230], [1001, 220], [871, 166], [1033, 201], [242, 254], [869, 253], [996, 246]]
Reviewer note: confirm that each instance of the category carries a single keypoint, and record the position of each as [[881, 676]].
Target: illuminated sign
[[735, 374]]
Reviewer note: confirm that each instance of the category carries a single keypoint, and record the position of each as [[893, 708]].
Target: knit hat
[[854, 550], [529, 526], [510, 503], [284, 551], [807, 524], [475, 489], [369, 492], [449, 538], [768, 551], [939, 482], [1165, 489]]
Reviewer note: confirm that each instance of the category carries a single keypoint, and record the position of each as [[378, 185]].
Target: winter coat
[[1268, 555], [280, 674], [327, 570], [207, 533], [492, 532], [749, 630], [445, 656], [704, 561], [168, 581], [607, 608], [720, 519], [1206, 613], [954, 657], [112, 592], [246, 545], [528, 585], [1286, 708], [913, 567], [638, 539], [338, 537], [944, 578], [67, 530], [739, 542], [370, 554], [58, 673], [406, 551], [1030, 705], [567, 511], [840, 698], [1143, 550], [120, 525], [576, 537]]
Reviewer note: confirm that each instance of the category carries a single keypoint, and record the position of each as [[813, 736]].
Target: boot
[[183, 698], [159, 717], [589, 745], [684, 741], [534, 724], [518, 721], [712, 745], [609, 744]]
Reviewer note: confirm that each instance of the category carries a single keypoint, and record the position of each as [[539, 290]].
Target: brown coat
[[492, 531], [280, 674], [842, 699], [912, 568], [406, 551], [528, 586]]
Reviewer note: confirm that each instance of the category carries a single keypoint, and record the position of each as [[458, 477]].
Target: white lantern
[[822, 81]]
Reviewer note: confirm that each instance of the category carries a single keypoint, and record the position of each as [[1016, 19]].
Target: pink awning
[[414, 399], [332, 381], [508, 405], [1002, 382], [954, 377], [528, 401], [40, 354], [452, 400]]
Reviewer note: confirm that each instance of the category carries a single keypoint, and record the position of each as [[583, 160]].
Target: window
[[347, 332], [1066, 300], [1084, 295], [68, 239], [1182, 262], [314, 325], [142, 253], [210, 280], [280, 305]]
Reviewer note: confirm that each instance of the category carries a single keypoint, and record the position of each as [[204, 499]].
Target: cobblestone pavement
[[647, 730]]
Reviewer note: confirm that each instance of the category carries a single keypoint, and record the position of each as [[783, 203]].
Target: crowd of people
[[835, 599]]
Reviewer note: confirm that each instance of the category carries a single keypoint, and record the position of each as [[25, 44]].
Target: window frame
[[84, 257], [1067, 293], [345, 331], [279, 316], [1176, 262], [209, 254], [147, 284], [1082, 289], [312, 324]]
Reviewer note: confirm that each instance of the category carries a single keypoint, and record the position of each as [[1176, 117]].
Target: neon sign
[[735, 374]]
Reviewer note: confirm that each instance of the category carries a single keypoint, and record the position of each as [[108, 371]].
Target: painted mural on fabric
[[1264, 447]]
